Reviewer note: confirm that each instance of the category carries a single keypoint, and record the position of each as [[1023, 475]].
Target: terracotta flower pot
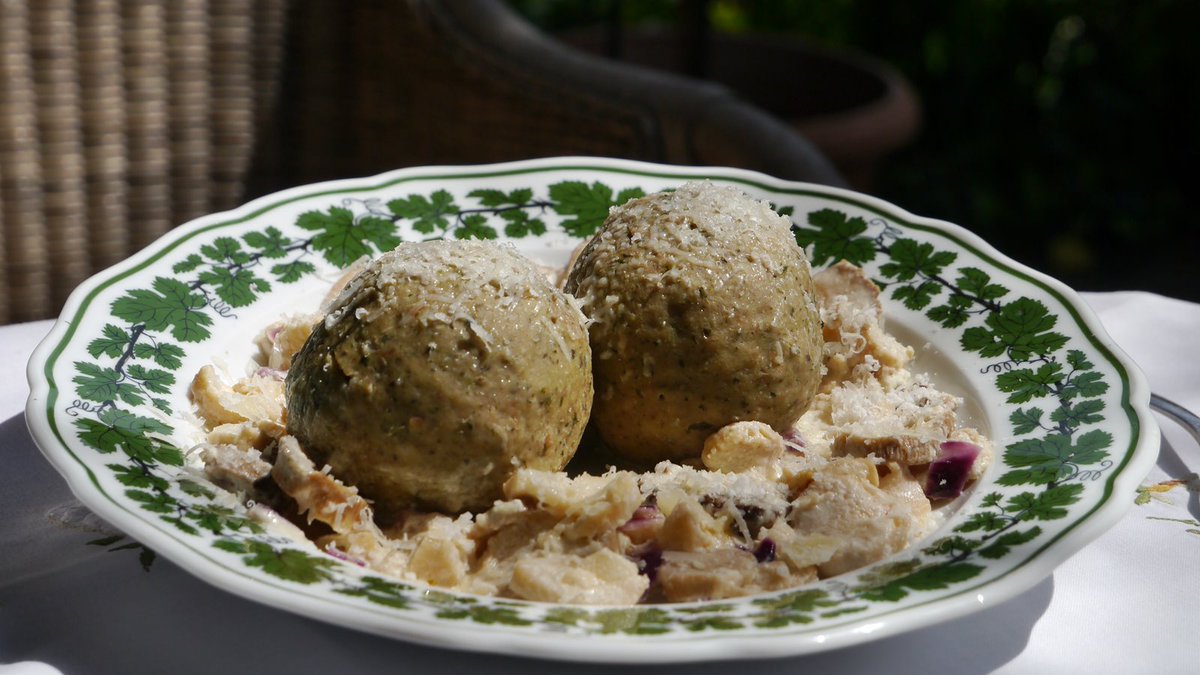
[[854, 108]]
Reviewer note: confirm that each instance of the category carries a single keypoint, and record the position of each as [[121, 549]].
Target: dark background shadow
[[1063, 133]]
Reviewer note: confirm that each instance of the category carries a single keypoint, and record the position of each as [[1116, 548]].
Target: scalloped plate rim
[[634, 649]]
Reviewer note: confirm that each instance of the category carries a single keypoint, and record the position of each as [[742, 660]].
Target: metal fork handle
[[1186, 418]]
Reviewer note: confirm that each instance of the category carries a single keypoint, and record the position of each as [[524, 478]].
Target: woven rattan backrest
[[122, 118], [372, 85], [118, 120]]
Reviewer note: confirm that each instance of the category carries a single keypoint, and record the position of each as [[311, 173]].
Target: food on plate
[[702, 315], [757, 503], [439, 369]]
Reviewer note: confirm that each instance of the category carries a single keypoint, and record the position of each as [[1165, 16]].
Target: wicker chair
[[122, 118]]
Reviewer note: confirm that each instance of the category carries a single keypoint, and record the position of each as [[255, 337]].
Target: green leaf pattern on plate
[[1055, 455], [1055, 393]]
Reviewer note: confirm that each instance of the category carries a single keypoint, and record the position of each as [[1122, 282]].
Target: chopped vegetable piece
[[794, 442], [765, 551], [948, 473]]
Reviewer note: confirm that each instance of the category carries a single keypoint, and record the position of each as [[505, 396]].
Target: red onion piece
[[640, 529], [336, 553], [271, 373], [793, 441], [948, 473], [645, 520], [649, 558], [765, 551], [647, 511]]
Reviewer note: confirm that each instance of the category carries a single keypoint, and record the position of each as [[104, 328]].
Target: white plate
[[1067, 410]]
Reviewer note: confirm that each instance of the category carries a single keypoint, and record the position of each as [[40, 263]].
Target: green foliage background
[[1062, 131]]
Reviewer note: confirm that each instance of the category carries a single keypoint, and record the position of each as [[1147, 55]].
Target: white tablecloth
[[1127, 603]]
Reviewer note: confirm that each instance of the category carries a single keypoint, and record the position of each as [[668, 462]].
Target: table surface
[[74, 595]]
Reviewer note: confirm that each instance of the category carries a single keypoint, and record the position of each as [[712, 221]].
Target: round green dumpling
[[703, 314], [442, 368]]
